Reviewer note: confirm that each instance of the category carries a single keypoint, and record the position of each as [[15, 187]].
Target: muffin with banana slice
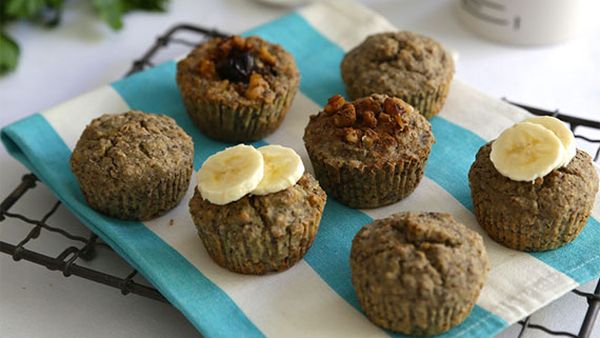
[[256, 210], [238, 89], [418, 273], [369, 152], [532, 189]]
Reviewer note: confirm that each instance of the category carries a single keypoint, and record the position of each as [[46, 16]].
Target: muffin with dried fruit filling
[[418, 273], [238, 89], [369, 152], [256, 211], [133, 166], [532, 189], [407, 65]]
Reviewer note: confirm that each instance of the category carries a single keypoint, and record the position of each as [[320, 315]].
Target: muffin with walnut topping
[[238, 89], [370, 152]]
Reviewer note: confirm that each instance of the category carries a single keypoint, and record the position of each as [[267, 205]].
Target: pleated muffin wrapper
[[420, 319], [251, 236], [535, 237], [141, 199], [233, 122], [428, 103], [368, 186]]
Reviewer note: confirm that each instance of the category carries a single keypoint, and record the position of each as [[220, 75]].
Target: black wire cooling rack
[[86, 248]]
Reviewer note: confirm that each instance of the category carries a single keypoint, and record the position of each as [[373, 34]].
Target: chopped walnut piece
[[370, 137], [385, 118], [345, 117], [238, 42], [207, 68], [392, 106], [266, 56], [351, 135], [257, 86], [400, 121], [369, 118], [368, 103], [334, 104]]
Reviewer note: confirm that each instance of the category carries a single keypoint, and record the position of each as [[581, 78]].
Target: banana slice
[[283, 168], [526, 151], [230, 174], [561, 131]]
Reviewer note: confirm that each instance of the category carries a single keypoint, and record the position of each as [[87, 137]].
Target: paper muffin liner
[[428, 104], [368, 187], [413, 318], [539, 237], [235, 253], [229, 122], [139, 200]]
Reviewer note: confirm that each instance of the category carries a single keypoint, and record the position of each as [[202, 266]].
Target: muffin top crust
[[368, 131], [129, 145], [244, 70], [402, 63], [426, 256]]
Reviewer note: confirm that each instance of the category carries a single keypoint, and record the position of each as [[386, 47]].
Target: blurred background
[[551, 62]]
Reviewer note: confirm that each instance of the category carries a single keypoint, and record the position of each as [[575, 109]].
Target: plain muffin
[[406, 65], [237, 89], [133, 166], [418, 273], [369, 152]]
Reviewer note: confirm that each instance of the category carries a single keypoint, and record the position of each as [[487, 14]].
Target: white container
[[527, 22]]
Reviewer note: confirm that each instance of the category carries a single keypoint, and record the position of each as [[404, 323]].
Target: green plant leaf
[[25, 9], [9, 54], [111, 11], [145, 5]]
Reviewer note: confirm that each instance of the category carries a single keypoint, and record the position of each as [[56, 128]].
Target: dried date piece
[[236, 67]]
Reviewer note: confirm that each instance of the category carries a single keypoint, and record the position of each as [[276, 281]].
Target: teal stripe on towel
[[33, 141], [320, 69]]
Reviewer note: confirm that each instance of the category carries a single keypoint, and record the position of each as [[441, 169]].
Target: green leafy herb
[[110, 11], [9, 54], [49, 12]]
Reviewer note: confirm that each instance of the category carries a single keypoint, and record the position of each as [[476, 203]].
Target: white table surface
[[83, 54]]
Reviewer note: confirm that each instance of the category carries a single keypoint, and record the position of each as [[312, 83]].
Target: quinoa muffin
[[406, 65], [418, 273], [238, 89], [370, 152], [261, 234], [533, 216], [133, 166]]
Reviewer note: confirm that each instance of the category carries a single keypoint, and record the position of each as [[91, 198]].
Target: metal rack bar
[[86, 248]]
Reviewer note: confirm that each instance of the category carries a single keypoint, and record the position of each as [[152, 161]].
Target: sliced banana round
[[283, 168], [230, 174], [561, 131], [526, 151]]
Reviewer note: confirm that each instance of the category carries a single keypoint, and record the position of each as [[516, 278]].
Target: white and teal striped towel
[[315, 297]]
